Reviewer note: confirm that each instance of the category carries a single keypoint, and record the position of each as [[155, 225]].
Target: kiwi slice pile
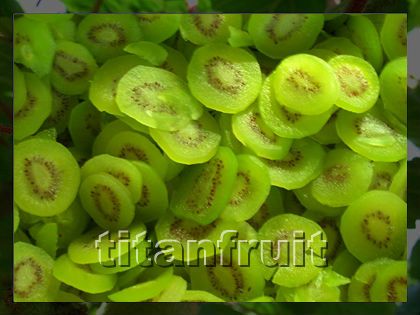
[[210, 157]]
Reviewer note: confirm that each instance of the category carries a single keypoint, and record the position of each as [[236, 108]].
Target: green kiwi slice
[[34, 45], [235, 277], [306, 84], [35, 110], [121, 169], [340, 46], [251, 130], [174, 291], [382, 175], [280, 35], [201, 29], [346, 264], [154, 195], [224, 78], [200, 296], [328, 133], [46, 177], [301, 165], [63, 28], [151, 52], [134, 146], [32, 274], [272, 206], [250, 191], [305, 197], [84, 125], [156, 98], [284, 121], [374, 226], [175, 62], [158, 27], [105, 135], [73, 68], [181, 231], [61, 108], [46, 237], [205, 189], [324, 54], [16, 218], [173, 170], [393, 80], [345, 177], [81, 277], [371, 135], [359, 83], [363, 33], [149, 284], [19, 90], [103, 88], [105, 35], [394, 35], [399, 181], [83, 250], [228, 138], [391, 283], [239, 38], [107, 200], [195, 143], [362, 281]]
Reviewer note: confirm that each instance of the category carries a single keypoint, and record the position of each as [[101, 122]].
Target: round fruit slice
[[107, 133], [374, 226], [19, 89], [391, 283], [156, 98], [224, 78], [251, 131], [301, 165], [174, 291], [158, 27], [394, 35], [251, 189], [199, 296], [119, 168], [202, 29], [37, 107], [195, 143], [382, 175], [46, 177], [306, 84], [205, 189], [399, 181], [346, 264], [359, 83], [107, 201], [148, 51], [33, 280], [284, 121], [81, 277], [103, 87], [370, 135], [340, 46], [345, 177], [280, 35]]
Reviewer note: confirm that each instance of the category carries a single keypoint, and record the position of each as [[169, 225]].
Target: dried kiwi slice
[[394, 35], [81, 277], [228, 138], [46, 177], [46, 237], [391, 283], [195, 143], [224, 78], [201, 29], [34, 45], [107, 133], [382, 175], [284, 121], [157, 98], [175, 62], [301, 165], [148, 51], [134, 146], [19, 89], [205, 189], [328, 133], [73, 68], [306, 84], [359, 83], [158, 27], [154, 195], [121, 169], [345, 177], [105, 35], [174, 291], [200, 296], [107, 201], [103, 88], [280, 35], [371, 135], [345, 264], [393, 80], [32, 274], [340, 46], [251, 189], [37, 107], [250, 129], [374, 226]]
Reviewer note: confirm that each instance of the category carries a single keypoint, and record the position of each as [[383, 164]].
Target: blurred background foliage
[[8, 7]]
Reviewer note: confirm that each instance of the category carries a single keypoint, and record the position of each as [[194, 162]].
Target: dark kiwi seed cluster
[[234, 119]]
